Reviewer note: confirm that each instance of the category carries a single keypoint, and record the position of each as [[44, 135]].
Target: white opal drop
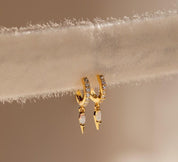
[[82, 118], [98, 116]]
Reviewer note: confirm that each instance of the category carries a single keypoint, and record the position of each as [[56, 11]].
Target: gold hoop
[[83, 100], [98, 99]]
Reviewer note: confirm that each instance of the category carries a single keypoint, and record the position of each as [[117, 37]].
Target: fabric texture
[[49, 60]]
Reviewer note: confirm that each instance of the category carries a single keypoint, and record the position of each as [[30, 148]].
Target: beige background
[[23, 12], [139, 122]]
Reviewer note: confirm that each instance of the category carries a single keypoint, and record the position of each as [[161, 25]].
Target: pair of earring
[[89, 93]]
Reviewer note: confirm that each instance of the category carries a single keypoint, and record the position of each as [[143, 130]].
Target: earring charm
[[83, 100], [98, 99]]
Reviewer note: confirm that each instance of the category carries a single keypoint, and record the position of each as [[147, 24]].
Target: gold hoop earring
[[98, 99], [83, 100]]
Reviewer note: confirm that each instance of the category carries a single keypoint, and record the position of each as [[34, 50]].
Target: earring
[[83, 100], [98, 99]]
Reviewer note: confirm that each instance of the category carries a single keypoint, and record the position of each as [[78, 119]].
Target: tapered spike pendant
[[97, 125], [82, 128]]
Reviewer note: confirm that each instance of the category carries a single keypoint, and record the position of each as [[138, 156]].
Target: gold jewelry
[[83, 100], [98, 99]]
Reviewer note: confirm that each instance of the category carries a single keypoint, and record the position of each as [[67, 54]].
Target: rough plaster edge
[[73, 23]]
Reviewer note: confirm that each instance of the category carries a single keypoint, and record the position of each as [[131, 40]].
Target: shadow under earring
[[83, 100], [98, 99]]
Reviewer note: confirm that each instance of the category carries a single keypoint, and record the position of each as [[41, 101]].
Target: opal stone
[[98, 115], [82, 118]]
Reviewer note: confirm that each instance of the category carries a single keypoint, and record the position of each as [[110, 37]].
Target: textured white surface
[[40, 61]]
